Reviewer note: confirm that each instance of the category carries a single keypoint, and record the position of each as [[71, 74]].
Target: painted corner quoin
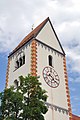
[[7, 73], [34, 58], [67, 88]]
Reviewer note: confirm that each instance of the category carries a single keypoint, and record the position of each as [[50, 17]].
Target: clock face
[[51, 77]]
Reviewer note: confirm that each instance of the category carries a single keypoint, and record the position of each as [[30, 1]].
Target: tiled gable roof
[[33, 34], [75, 117]]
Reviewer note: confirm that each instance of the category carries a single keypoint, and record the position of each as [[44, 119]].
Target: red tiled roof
[[75, 117], [31, 34]]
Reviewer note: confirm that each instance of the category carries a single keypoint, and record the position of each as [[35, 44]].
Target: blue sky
[[16, 20], [3, 64]]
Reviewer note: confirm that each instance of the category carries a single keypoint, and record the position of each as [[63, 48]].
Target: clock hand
[[50, 76], [55, 82], [54, 79]]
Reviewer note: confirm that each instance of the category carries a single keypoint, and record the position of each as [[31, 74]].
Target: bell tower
[[40, 53]]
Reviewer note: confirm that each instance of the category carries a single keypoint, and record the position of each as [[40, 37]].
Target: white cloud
[[17, 18]]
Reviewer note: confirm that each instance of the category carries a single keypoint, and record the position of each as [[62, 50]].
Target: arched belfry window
[[20, 60], [50, 58]]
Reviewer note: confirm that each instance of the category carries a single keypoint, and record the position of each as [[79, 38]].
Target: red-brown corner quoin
[[7, 73], [67, 88], [34, 58]]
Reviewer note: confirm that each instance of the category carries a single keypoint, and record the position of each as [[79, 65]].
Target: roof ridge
[[31, 35]]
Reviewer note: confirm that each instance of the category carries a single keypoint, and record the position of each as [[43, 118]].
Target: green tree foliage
[[26, 102], [11, 104]]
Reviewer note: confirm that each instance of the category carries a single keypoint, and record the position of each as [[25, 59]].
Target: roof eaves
[[20, 47], [33, 33]]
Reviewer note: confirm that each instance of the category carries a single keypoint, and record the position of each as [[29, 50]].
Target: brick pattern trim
[[7, 73], [67, 88], [34, 58]]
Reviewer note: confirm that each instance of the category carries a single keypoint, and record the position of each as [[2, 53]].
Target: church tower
[[40, 53]]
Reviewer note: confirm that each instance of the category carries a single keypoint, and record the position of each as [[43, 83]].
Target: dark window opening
[[50, 60], [24, 59], [15, 83], [17, 64], [21, 62]]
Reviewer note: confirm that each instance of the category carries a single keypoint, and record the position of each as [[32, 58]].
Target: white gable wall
[[47, 36]]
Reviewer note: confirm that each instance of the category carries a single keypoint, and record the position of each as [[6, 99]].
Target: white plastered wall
[[56, 96], [24, 69], [47, 36]]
